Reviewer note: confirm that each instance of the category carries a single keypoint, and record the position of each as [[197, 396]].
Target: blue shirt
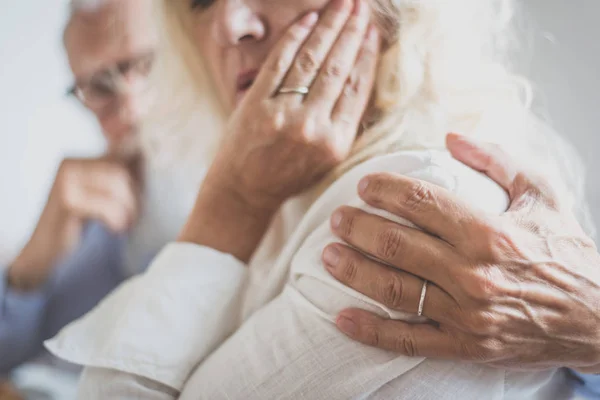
[[78, 283], [587, 386]]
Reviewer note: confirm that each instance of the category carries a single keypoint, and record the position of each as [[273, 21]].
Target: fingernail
[[309, 19], [363, 185], [346, 325], [331, 256], [336, 219]]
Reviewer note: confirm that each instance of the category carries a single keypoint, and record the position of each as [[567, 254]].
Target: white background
[[38, 125]]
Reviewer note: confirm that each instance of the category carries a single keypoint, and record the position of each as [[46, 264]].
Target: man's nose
[[236, 21]]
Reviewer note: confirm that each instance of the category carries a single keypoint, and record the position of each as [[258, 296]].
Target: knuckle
[[307, 62], [347, 224], [376, 189], [393, 292], [277, 123], [486, 284], [406, 345], [349, 269], [307, 129], [419, 197], [388, 243], [353, 86], [295, 35], [495, 243], [473, 352], [334, 70], [372, 336], [489, 349], [481, 323], [355, 28], [278, 64]]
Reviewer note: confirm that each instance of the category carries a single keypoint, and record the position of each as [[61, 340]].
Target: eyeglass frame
[[115, 74]]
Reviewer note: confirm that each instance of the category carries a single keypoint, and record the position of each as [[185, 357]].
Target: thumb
[[484, 157], [499, 166]]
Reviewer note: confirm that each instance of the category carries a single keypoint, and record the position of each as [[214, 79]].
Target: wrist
[[227, 221], [26, 273], [223, 175]]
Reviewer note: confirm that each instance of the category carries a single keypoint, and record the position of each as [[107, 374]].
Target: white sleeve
[[160, 324], [102, 384]]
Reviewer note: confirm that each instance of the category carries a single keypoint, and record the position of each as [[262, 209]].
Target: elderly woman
[[314, 95]]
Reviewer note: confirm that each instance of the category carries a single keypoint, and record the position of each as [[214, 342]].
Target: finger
[[313, 53], [283, 55], [124, 190], [394, 289], [98, 207], [352, 102], [498, 165], [418, 340], [405, 248], [484, 158], [337, 66], [430, 207], [114, 181]]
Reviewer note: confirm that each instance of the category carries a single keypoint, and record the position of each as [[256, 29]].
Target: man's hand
[[8, 392], [520, 290], [96, 189]]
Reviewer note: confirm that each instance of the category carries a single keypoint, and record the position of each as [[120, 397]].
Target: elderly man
[[73, 257]]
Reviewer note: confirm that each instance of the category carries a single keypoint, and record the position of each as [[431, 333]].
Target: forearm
[[31, 268], [225, 221]]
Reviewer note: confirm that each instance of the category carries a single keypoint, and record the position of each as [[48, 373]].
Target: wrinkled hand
[[8, 392], [84, 189], [520, 290], [277, 144]]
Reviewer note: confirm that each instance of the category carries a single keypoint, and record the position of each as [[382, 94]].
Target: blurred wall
[[38, 125], [562, 56]]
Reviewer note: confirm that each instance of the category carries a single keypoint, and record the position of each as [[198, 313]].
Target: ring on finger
[[302, 90], [422, 298]]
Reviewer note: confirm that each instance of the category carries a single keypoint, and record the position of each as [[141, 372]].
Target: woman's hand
[[520, 290], [278, 144]]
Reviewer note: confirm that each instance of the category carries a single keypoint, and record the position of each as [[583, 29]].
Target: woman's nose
[[237, 21]]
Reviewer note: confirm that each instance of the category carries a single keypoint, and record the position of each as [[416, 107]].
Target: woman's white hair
[[446, 70]]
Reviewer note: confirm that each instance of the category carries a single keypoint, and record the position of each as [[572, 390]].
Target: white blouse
[[201, 325]]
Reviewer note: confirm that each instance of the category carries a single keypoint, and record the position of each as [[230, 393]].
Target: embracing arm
[[537, 245]]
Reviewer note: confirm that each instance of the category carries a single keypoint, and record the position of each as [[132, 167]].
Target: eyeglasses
[[103, 87]]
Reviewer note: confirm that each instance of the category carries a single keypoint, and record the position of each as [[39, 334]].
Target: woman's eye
[[202, 4]]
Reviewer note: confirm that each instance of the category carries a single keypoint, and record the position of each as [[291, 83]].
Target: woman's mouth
[[244, 83]]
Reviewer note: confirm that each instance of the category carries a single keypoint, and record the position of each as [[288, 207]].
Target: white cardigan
[[201, 325]]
